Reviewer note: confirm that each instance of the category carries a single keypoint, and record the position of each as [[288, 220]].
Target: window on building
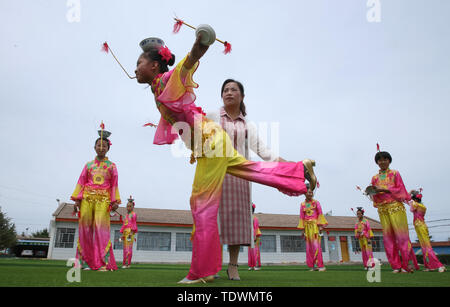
[[268, 244], [154, 241], [117, 244], [183, 243], [377, 244], [322, 244], [65, 237], [292, 244], [355, 245]]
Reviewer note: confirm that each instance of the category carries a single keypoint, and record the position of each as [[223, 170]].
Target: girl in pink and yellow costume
[[364, 233], [128, 230], [313, 222], [390, 195], [430, 260], [254, 253], [95, 195], [212, 149]]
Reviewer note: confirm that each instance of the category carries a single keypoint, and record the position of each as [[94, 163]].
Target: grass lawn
[[52, 273]]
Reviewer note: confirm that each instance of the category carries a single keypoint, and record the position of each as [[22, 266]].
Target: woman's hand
[[197, 51], [77, 206]]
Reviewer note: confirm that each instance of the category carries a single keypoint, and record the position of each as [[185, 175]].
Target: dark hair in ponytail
[[241, 88], [153, 55]]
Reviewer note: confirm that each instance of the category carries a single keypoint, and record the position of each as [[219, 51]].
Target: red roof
[[183, 218]]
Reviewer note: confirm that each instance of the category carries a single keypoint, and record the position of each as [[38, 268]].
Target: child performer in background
[[430, 260], [128, 230], [254, 254], [389, 198], [95, 195], [212, 149], [313, 222], [363, 233]]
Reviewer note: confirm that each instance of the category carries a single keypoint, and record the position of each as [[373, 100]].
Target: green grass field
[[52, 273]]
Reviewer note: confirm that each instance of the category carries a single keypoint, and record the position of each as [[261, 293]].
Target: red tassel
[[227, 48], [318, 184], [177, 26], [150, 124], [378, 147], [120, 218], [105, 47], [102, 126], [357, 187]]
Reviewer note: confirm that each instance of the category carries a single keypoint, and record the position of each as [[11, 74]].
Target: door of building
[[344, 249]]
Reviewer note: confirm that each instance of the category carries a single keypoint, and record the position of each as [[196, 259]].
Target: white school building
[[164, 237]]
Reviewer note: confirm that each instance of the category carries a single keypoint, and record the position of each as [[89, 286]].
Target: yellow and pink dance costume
[[431, 262], [128, 231], [311, 218], [393, 218], [254, 253], [215, 157], [364, 234], [97, 189]]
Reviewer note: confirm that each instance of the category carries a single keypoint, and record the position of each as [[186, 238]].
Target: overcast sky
[[335, 77]]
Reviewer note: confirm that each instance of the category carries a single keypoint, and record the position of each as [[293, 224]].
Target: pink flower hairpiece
[[165, 53]]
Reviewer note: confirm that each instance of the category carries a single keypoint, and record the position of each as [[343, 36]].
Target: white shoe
[[250, 268], [322, 269], [204, 280], [442, 269], [396, 271], [257, 269], [188, 281]]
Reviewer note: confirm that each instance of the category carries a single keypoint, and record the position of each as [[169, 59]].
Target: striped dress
[[235, 214]]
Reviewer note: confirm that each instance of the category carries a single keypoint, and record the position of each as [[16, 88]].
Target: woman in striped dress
[[235, 214]]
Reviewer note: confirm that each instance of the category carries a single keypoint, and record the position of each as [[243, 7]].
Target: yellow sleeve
[[322, 221], [180, 82]]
